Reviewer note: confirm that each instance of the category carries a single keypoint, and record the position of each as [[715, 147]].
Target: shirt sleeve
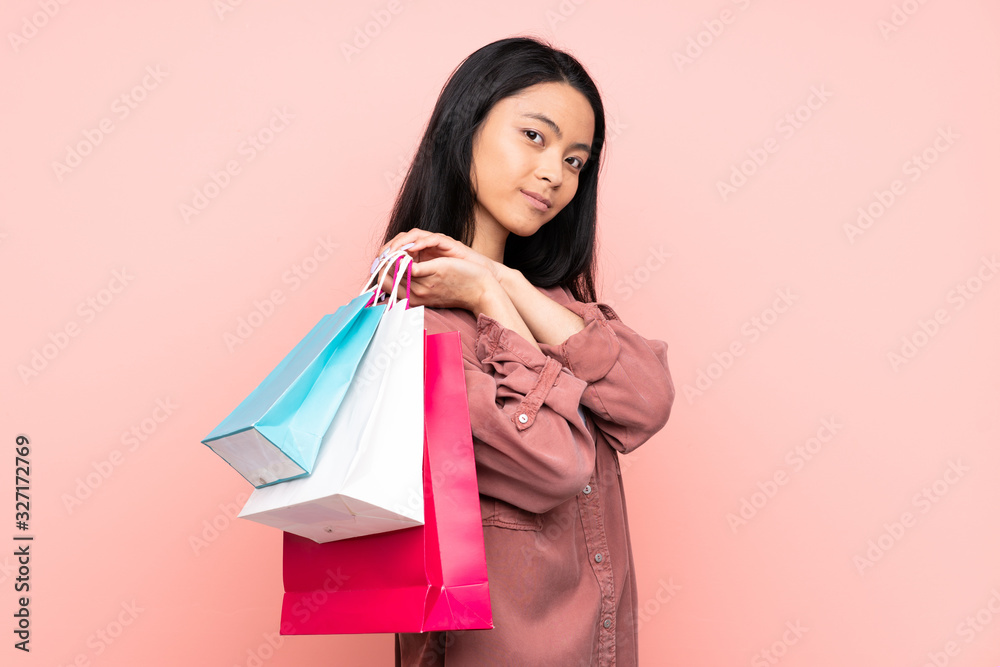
[[629, 388], [533, 448]]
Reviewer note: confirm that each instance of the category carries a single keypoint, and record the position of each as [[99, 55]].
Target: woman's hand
[[430, 245], [449, 274], [445, 273], [449, 282]]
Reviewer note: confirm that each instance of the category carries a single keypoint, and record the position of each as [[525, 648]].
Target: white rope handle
[[369, 286], [382, 261], [405, 262]]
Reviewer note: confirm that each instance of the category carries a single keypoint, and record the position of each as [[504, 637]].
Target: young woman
[[500, 206]]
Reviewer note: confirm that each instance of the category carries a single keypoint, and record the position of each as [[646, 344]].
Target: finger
[[408, 237], [387, 251], [393, 243], [398, 240], [425, 243], [440, 245], [426, 268]]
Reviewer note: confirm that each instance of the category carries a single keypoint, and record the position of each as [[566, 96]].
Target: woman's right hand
[[424, 245], [444, 282], [450, 282], [449, 274]]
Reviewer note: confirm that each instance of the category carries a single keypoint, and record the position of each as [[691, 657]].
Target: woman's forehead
[[557, 104]]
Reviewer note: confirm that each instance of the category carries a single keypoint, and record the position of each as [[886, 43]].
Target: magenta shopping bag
[[420, 579]]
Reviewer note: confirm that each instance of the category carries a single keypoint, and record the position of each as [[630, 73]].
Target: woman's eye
[[532, 132], [579, 162]]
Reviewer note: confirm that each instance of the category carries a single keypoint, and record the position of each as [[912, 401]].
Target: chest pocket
[[504, 515]]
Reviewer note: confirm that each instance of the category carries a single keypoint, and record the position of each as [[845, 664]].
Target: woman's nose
[[550, 168]]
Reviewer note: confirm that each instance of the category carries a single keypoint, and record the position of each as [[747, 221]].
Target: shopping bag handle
[[377, 266], [397, 277], [394, 259]]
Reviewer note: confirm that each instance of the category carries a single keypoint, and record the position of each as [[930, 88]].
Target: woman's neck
[[490, 241]]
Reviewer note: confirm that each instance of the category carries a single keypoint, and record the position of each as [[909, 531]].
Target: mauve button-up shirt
[[547, 429]]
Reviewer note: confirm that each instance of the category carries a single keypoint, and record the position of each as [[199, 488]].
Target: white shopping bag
[[368, 477]]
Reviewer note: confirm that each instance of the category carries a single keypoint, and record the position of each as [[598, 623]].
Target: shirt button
[[599, 558], [523, 418], [587, 489], [607, 622]]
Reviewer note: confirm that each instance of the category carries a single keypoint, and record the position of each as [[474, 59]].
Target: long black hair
[[437, 194]]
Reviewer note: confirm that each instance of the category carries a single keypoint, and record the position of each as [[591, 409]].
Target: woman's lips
[[536, 200]]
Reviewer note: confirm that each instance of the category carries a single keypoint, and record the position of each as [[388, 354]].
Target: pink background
[[879, 548]]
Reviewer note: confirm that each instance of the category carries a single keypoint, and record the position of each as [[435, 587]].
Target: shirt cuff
[[497, 345], [590, 353]]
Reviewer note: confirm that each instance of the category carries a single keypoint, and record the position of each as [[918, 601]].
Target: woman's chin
[[525, 229]]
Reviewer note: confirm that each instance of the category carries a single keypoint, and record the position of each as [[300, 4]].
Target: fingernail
[[408, 246], [374, 266]]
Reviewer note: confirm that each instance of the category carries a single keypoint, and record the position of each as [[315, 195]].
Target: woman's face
[[536, 142]]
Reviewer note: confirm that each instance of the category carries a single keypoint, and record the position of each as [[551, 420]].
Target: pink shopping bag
[[420, 579]]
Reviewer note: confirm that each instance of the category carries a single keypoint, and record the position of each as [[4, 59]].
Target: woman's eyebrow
[[555, 128]]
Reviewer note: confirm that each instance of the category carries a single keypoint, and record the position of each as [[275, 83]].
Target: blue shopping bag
[[275, 433]]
